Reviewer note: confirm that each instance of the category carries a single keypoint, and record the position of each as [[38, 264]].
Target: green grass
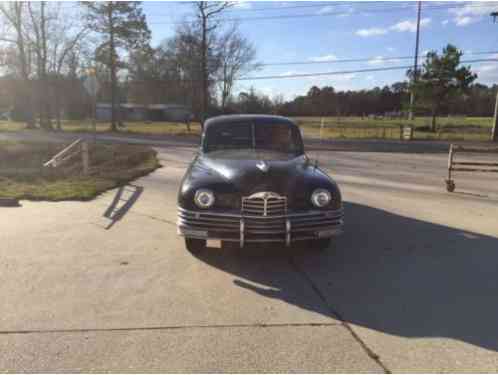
[[22, 175], [450, 128]]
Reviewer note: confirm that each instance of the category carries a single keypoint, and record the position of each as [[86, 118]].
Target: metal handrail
[[74, 149], [478, 166], [55, 160]]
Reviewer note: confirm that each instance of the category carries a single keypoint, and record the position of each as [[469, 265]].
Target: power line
[[363, 59], [319, 74], [366, 70], [328, 14]]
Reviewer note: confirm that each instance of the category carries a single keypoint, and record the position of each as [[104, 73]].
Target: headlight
[[204, 198], [321, 197]]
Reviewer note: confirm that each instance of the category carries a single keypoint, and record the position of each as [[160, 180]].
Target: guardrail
[[73, 150], [468, 166]]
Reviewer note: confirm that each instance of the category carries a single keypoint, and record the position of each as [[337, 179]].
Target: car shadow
[[125, 198], [387, 272]]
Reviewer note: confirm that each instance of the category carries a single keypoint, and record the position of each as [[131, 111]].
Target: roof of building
[[144, 106]]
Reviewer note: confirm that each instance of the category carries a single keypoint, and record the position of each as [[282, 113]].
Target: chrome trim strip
[[338, 213], [242, 232], [294, 239], [287, 232]]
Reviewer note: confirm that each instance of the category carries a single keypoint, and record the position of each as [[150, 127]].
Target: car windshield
[[279, 137]]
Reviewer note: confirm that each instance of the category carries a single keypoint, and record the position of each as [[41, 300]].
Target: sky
[[329, 31]]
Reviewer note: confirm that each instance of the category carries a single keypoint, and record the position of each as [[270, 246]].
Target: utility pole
[[494, 133], [415, 62]]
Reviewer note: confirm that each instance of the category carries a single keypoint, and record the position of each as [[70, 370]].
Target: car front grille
[[264, 204], [263, 217]]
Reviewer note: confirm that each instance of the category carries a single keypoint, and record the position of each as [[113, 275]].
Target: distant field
[[458, 121], [450, 128]]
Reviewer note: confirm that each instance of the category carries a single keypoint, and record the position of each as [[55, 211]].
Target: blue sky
[[345, 30]]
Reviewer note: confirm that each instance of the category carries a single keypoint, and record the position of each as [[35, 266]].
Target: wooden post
[[450, 162], [321, 130], [494, 133], [85, 157]]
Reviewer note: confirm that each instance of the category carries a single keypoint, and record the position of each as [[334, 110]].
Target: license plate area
[[215, 244]]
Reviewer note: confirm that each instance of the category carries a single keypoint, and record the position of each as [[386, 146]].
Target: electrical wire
[[364, 59], [328, 14]]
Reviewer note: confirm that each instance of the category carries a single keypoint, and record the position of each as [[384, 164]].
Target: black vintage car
[[252, 182]]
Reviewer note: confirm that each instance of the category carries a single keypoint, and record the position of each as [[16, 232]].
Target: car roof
[[266, 119]]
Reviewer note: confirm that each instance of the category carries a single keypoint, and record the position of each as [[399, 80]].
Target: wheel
[[450, 186], [195, 246], [321, 244]]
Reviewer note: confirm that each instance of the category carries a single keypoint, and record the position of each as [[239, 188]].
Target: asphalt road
[[107, 285]]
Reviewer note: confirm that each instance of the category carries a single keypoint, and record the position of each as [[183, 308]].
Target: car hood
[[253, 171]]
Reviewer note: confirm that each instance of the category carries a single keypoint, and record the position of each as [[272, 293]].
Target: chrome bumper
[[240, 228]]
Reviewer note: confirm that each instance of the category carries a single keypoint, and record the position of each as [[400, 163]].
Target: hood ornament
[[263, 166]]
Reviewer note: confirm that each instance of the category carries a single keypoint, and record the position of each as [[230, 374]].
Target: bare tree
[[13, 19], [65, 45], [38, 35], [206, 14], [237, 58]]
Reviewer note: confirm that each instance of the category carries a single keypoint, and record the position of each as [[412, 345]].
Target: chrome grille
[[264, 204]]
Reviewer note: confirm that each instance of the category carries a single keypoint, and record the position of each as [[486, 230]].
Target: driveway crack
[[166, 327], [334, 312]]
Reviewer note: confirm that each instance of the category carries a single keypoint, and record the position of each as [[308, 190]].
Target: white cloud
[[325, 10], [289, 73], [347, 11], [370, 78], [344, 77], [330, 57], [339, 82], [376, 60], [487, 73], [373, 31], [444, 22], [391, 49], [466, 20], [402, 26], [471, 13], [410, 25], [335, 78], [242, 4]]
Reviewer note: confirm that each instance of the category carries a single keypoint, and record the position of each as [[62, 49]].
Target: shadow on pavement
[[389, 273], [125, 198]]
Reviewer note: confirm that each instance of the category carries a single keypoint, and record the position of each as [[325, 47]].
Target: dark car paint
[[232, 174]]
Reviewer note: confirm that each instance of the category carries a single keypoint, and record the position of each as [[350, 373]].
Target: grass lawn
[[451, 128], [22, 175]]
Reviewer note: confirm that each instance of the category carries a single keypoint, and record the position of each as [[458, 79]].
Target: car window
[[229, 136], [248, 135]]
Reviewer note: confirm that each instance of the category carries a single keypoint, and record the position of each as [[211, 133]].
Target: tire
[[322, 244], [195, 246]]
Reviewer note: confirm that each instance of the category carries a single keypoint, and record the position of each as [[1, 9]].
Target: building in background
[[152, 112]]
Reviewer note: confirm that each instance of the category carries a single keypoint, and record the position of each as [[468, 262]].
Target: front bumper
[[236, 227]]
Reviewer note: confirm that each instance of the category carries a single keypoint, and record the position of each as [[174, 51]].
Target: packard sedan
[[251, 182]]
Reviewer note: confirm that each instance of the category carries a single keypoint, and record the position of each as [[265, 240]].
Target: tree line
[[45, 56]]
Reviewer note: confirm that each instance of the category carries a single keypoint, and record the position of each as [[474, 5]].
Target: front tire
[[194, 245]]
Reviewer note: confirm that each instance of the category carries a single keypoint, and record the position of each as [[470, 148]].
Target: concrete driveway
[[108, 286]]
